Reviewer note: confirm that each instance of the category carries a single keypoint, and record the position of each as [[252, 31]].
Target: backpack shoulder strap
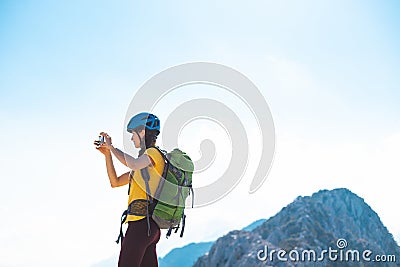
[[130, 180], [146, 177]]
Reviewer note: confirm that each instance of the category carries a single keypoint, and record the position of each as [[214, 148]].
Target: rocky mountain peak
[[315, 223]]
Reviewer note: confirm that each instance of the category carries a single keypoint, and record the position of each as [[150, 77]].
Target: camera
[[100, 141]]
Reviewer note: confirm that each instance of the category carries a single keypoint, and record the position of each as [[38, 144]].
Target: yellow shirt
[[137, 191]]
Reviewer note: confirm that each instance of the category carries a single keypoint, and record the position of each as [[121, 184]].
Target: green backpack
[[174, 187], [168, 204]]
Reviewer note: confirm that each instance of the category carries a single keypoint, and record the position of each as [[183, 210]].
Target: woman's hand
[[107, 140], [106, 146]]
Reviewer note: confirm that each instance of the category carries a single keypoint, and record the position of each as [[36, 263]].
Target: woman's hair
[[150, 138]]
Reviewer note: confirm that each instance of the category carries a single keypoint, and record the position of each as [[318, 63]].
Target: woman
[[139, 245]]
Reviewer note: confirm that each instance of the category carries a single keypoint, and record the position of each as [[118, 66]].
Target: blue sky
[[69, 69]]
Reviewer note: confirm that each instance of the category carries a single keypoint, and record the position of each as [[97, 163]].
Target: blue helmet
[[148, 120]]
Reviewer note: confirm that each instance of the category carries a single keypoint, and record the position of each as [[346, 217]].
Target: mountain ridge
[[326, 219]]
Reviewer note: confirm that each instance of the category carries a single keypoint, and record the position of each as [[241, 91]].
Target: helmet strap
[[141, 141]]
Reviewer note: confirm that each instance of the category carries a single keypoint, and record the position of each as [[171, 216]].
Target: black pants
[[138, 249]]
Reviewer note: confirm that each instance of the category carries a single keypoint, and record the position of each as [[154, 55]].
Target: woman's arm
[[129, 161], [115, 181]]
